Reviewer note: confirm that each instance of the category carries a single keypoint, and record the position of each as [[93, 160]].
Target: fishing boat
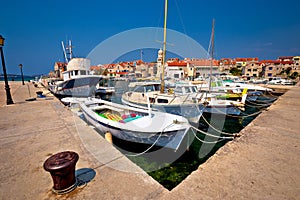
[[135, 125], [178, 104], [76, 80]]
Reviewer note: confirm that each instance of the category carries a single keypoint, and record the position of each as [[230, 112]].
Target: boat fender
[[170, 91], [124, 116], [205, 103], [108, 137]]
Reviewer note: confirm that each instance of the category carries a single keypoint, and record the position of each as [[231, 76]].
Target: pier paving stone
[[262, 164], [33, 131]]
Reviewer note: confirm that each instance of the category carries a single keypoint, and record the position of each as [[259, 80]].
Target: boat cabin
[[77, 67]]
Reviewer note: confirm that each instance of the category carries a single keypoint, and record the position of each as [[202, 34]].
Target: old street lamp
[[21, 66], [7, 89]]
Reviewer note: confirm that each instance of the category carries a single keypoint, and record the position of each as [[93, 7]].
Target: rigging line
[[180, 17], [182, 24], [159, 20], [224, 133]]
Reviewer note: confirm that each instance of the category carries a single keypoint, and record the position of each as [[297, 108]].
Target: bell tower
[[159, 63]]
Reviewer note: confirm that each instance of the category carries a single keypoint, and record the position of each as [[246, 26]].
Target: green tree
[[294, 75], [235, 71]]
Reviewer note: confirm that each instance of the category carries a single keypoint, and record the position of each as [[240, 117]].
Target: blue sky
[[34, 29]]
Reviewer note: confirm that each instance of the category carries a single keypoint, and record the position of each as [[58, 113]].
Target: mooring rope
[[203, 141], [221, 112], [269, 92], [224, 133], [268, 100], [148, 149], [219, 137], [252, 114], [214, 136], [258, 104]]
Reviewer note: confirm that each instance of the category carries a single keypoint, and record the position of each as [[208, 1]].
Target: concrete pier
[[262, 164]]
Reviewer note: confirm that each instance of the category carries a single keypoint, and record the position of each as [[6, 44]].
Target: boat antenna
[[212, 52], [70, 47], [162, 87], [68, 55], [64, 50]]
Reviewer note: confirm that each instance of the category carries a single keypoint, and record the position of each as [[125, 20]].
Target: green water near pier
[[170, 173]]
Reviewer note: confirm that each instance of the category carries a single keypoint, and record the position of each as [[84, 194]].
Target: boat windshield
[[147, 88], [185, 89]]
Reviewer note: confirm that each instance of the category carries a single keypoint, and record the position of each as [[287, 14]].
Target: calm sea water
[[18, 78]]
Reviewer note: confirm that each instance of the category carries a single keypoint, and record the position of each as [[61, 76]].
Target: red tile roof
[[245, 59], [177, 63], [203, 62]]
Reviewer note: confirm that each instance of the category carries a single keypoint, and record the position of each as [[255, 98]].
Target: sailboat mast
[[162, 87], [212, 52]]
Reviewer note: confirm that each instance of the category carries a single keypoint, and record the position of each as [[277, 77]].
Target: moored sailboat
[[159, 99]]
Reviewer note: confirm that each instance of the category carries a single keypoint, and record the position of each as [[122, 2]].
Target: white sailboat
[[213, 104], [159, 99]]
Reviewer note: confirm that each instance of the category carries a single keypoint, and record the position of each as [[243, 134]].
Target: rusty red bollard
[[62, 169]]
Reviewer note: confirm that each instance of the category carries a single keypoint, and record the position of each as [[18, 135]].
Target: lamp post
[[21, 66], [7, 89]]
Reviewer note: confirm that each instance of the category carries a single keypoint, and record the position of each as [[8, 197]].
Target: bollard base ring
[[67, 190]]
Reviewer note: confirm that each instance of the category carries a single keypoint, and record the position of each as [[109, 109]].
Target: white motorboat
[[77, 81], [211, 101]]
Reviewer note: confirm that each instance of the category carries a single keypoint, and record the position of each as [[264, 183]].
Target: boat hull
[[77, 87], [223, 110]]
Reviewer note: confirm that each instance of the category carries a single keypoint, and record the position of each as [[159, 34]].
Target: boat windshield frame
[[147, 88]]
